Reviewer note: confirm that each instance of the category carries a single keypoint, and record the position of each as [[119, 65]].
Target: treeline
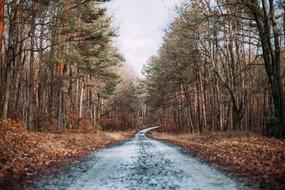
[[221, 68], [58, 63], [126, 108]]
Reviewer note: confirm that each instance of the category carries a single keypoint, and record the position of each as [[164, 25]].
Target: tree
[[264, 15], [2, 23], [58, 63], [208, 73]]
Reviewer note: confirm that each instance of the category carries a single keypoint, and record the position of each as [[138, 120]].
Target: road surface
[[141, 163]]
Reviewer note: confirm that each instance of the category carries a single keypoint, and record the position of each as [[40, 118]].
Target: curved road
[[140, 163]]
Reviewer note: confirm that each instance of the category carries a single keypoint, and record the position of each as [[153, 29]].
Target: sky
[[141, 25]]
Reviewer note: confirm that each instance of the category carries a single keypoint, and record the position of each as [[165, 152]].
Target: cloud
[[141, 24]]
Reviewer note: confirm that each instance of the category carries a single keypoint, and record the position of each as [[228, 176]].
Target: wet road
[[141, 163]]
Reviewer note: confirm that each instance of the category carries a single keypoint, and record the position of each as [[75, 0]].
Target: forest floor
[[252, 158], [24, 154]]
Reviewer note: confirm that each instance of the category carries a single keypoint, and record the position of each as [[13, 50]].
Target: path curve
[[141, 163]]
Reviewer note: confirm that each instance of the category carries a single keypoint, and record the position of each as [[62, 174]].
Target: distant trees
[[125, 108], [125, 104], [57, 62], [213, 69]]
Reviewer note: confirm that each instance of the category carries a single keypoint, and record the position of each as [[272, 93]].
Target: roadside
[[28, 154], [255, 159]]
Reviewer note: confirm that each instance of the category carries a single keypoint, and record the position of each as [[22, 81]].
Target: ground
[[26, 154], [254, 158], [140, 163], [257, 159]]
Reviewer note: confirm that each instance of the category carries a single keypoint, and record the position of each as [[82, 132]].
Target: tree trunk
[[10, 59], [81, 99], [267, 27], [31, 73], [2, 23]]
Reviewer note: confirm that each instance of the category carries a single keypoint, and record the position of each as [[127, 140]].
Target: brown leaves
[[24, 154], [259, 158]]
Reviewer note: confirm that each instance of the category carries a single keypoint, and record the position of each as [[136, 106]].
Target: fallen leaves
[[258, 158], [24, 154]]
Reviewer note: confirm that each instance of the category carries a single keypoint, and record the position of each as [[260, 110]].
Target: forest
[[221, 68], [215, 88], [59, 67]]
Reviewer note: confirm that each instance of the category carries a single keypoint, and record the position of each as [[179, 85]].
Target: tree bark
[[2, 24]]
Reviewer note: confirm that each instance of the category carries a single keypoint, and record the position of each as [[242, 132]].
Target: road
[[141, 163]]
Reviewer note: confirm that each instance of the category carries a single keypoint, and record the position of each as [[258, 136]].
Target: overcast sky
[[141, 24]]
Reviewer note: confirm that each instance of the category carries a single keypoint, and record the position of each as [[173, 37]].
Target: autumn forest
[[221, 68], [215, 87]]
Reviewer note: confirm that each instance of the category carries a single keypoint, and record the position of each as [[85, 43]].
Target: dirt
[[140, 163]]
